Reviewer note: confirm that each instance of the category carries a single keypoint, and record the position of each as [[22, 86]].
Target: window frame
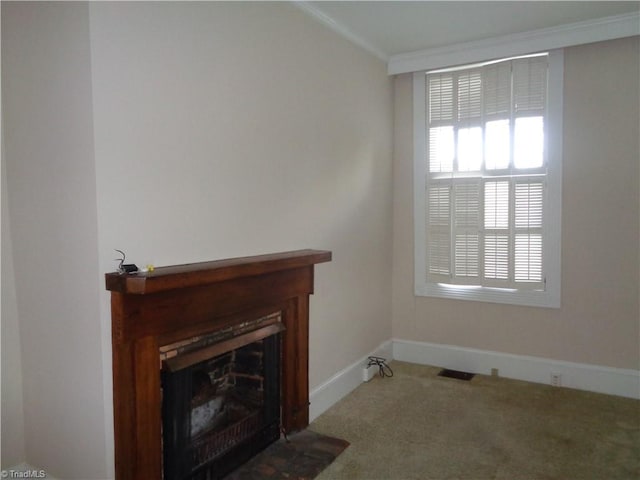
[[551, 295]]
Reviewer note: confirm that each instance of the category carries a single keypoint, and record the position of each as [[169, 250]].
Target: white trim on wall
[[581, 376], [340, 29], [342, 383], [608, 28]]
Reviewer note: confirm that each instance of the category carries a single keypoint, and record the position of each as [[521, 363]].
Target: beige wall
[[12, 424], [228, 129], [598, 322], [220, 129], [48, 146]]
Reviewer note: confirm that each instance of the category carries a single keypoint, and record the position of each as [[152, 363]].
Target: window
[[487, 181]]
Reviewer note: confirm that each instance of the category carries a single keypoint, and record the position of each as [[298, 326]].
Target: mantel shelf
[[203, 273]]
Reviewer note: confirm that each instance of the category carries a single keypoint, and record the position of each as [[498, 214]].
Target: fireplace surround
[[171, 304]]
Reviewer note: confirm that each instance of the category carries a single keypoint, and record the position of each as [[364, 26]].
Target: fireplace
[[218, 386], [220, 400]]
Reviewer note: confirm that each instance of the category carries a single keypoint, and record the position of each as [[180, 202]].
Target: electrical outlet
[[556, 379], [368, 373]]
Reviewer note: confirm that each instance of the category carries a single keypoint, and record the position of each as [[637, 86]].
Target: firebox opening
[[222, 410]]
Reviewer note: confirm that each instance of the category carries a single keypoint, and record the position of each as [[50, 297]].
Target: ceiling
[[389, 28]]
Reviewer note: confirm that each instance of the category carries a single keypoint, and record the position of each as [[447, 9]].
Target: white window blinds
[[485, 174]]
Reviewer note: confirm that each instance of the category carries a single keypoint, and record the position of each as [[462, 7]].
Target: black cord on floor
[[381, 363]]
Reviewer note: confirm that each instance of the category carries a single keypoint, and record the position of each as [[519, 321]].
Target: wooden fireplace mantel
[[174, 303]]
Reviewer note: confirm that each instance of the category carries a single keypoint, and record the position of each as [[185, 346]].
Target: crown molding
[[340, 29], [607, 28]]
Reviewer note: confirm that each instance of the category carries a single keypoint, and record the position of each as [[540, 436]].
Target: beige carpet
[[419, 426]]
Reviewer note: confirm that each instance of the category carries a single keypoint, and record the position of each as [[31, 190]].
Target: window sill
[[531, 298]]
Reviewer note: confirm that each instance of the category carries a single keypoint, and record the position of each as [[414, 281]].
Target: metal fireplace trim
[[185, 360]]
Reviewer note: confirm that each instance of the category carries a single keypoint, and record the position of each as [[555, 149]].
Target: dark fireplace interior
[[220, 400]]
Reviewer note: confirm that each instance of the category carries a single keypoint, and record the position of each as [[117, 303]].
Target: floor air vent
[[456, 374]]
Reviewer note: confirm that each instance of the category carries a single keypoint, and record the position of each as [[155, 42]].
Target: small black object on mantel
[[125, 267]]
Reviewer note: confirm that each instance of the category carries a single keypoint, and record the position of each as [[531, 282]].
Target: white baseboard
[[593, 378], [581, 376], [342, 383]]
